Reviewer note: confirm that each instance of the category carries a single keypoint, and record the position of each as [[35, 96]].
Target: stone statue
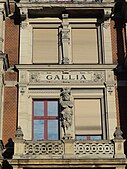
[[66, 113]]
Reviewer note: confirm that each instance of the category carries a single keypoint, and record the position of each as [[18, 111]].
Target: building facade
[[63, 84]]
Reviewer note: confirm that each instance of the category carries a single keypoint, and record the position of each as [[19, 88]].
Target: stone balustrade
[[69, 148], [29, 149]]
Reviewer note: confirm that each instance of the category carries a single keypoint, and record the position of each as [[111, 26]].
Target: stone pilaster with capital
[[65, 39], [107, 38], [110, 102], [1, 31]]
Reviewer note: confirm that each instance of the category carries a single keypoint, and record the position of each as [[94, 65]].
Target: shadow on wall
[[9, 149], [6, 165]]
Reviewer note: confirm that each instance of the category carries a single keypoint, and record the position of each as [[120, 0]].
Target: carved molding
[[110, 87]]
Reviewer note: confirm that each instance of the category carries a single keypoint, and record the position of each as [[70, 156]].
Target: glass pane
[[38, 108], [52, 108], [52, 129], [80, 137], [96, 138], [83, 137], [38, 129]]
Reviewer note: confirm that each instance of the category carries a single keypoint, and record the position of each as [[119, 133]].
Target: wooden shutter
[[84, 46], [87, 116], [45, 45]]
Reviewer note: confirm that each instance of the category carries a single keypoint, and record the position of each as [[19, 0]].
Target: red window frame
[[45, 117]]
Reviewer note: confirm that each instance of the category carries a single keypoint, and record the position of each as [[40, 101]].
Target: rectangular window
[[45, 45], [84, 45], [45, 120], [88, 119]]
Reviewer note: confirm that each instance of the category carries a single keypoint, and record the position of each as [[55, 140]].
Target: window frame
[[101, 96], [49, 25], [98, 27], [45, 117]]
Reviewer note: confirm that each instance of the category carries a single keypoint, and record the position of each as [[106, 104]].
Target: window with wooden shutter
[[45, 45], [88, 117], [84, 45]]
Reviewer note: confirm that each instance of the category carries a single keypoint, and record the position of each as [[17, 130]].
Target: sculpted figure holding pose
[[66, 113]]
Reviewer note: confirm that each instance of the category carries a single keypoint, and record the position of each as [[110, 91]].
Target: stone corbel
[[110, 87], [22, 88], [107, 14], [23, 13]]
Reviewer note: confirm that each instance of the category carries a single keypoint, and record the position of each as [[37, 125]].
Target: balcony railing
[[95, 149], [68, 148]]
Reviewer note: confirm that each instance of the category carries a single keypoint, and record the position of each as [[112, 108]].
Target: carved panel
[[94, 148], [66, 77], [44, 148]]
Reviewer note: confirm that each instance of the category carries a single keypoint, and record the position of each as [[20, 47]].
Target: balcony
[[68, 148]]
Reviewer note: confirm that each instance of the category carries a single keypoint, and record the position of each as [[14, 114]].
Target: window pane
[[83, 137], [52, 129], [38, 108], [52, 108], [38, 129]]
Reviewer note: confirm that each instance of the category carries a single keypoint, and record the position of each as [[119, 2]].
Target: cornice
[[53, 67]]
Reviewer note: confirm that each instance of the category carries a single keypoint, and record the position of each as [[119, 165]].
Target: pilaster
[[65, 39], [23, 102], [110, 102], [25, 42], [1, 30], [107, 42]]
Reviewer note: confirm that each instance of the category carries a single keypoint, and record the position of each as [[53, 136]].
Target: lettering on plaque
[[55, 77]]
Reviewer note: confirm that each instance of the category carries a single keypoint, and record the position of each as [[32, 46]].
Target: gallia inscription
[[87, 76]]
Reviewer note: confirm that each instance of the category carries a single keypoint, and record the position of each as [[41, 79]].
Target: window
[[45, 120], [84, 45], [88, 125], [45, 45]]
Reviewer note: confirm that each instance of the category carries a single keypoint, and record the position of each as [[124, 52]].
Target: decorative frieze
[[68, 77]]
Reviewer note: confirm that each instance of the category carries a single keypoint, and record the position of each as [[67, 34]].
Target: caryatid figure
[[67, 112]]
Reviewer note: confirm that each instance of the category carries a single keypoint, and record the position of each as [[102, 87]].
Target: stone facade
[[42, 61]]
